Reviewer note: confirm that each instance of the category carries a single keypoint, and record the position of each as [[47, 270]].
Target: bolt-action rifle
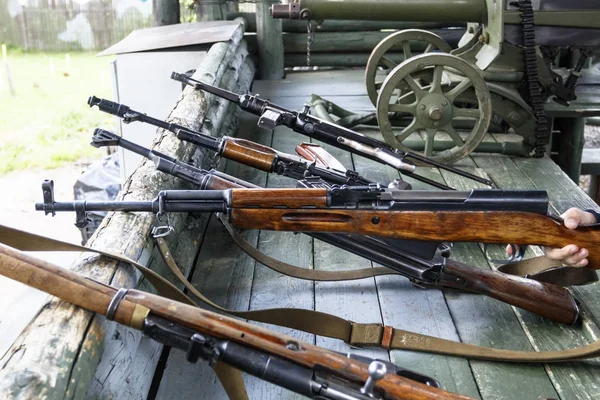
[[243, 151], [272, 115], [303, 368], [487, 216]]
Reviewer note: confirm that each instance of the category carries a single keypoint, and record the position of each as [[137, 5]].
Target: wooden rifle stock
[[249, 153], [545, 299], [306, 211], [135, 306]]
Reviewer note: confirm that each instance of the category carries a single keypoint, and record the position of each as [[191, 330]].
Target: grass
[[48, 122]]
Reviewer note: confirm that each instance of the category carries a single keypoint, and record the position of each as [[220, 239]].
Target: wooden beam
[[166, 12], [65, 344], [209, 10], [269, 42], [346, 42], [296, 26]]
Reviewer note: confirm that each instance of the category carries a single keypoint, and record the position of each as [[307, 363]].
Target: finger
[[561, 254], [581, 263], [576, 258], [573, 217], [571, 223], [511, 249]]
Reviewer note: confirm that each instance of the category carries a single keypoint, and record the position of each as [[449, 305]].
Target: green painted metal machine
[[506, 68]]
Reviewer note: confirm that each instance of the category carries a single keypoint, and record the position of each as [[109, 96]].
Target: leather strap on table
[[302, 273], [546, 270], [355, 334]]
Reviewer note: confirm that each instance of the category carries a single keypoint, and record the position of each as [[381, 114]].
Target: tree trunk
[[166, 12]]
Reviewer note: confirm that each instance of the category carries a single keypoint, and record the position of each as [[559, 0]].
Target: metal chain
[[310, 37]]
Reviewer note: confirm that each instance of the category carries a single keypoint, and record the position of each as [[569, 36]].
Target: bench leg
[[571, 141], [594, 189]]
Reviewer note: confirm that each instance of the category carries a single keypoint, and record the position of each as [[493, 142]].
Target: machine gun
[[303, 368], [272, 115], [505, 66], [474, 216]]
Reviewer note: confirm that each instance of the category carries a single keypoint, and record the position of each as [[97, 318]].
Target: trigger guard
[[515, 257]]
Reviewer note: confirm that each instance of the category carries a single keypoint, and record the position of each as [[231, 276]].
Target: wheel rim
[[433, 105], [403, 38]]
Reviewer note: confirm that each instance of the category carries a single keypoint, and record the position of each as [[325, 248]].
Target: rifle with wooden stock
[[243, 151], [487, 216], [272, 115], [301, 367], [426, 264]]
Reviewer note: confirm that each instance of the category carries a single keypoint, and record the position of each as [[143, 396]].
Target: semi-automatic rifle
[[488, 216], [426, 264], [272, 115], [301, 367], [243, 151]]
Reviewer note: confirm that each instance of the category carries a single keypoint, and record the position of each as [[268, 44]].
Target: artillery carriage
[[505, 69]]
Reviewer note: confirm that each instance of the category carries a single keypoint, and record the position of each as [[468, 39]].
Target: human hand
[[571, 254]]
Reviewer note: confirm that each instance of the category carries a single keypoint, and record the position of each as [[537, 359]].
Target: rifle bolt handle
[[377, 371]]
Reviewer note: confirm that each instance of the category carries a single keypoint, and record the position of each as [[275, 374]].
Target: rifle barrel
[[226, 94]]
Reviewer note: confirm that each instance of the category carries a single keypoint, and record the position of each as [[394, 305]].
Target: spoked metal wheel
[[430, 97], [408, 41]]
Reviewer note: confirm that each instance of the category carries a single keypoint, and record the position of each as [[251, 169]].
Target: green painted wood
[[269, 42], [574, 380], [406, 306], [353, 300], [571, 141], [590, 162], [487, 322]]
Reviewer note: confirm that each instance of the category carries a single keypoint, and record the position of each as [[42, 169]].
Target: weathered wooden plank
[[300, 85], [224, 274], [353, 300], [574, 380], [405, 306], [487, 322], [273, 290], [67, 370]]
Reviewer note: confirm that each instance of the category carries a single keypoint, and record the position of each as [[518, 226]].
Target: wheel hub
[[434, 110]]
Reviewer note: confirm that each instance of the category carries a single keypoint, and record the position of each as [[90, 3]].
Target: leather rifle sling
[[318, 323]]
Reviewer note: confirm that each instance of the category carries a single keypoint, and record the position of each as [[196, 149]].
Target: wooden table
[[232, 279]]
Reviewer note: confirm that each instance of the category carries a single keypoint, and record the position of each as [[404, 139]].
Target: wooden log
[[296, 26], [110, 376], [354, 41], [64, 343], [213, 277], [334, 59], [347, 42], [269, 42]]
